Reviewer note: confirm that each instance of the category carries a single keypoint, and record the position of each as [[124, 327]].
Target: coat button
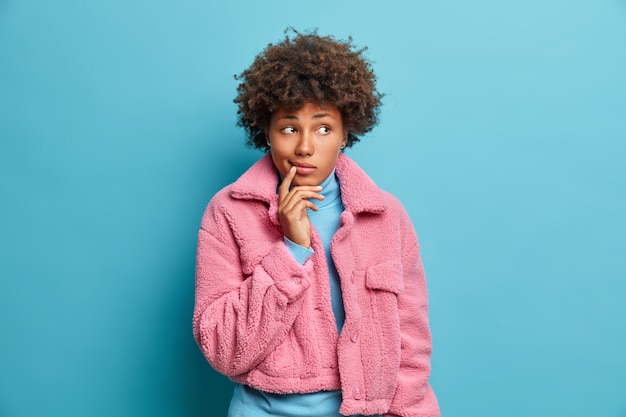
[[354, 336], [356, 393], [295, 281]]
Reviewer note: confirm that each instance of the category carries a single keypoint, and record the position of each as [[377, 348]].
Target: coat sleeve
[[414, 397], [239, 318]]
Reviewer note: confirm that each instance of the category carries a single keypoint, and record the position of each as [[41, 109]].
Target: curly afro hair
[[307, 68]]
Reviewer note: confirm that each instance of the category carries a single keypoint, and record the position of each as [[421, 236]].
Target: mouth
[[301, 165], [303, 168]]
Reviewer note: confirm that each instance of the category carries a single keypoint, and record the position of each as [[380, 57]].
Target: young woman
[[310, 290]]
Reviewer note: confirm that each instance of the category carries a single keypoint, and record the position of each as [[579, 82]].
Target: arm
[[239, 318], [414, 397]]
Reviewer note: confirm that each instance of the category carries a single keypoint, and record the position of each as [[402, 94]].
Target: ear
[[345, 140]]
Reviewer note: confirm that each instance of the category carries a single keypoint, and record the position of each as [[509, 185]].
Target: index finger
[[284, 186]]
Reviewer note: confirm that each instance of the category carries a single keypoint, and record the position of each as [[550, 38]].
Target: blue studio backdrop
[[503, 132]]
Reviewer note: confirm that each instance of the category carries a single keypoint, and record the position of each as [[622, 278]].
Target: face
[[309, 138]]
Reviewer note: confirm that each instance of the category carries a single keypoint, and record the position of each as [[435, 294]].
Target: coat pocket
[[384, 282], [387, 276]]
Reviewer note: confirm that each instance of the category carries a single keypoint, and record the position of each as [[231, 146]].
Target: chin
[[305, 181]]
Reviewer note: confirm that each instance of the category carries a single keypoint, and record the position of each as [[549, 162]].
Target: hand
[[292, 205]]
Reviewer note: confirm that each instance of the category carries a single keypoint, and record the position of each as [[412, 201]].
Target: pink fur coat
[[266, 321]]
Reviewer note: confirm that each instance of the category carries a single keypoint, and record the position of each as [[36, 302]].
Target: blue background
[[503, 132]]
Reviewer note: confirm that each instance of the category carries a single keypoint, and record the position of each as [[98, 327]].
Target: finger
[[303, 194], [295, 196], [284, 186], [302, 205], [307, 193]]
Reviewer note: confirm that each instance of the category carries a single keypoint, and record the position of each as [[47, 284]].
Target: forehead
[[307, 111]]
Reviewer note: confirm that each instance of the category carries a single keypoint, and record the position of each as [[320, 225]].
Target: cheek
[[279, 161], [331, 160]]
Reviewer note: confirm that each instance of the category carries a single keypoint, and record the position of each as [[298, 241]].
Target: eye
[[288, 130], [324, 130]]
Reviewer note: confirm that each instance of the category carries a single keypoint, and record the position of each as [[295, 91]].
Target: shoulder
[[395, 211], [392, 202], [219, 206]]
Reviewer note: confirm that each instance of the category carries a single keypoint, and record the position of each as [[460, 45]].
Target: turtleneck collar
[[330, 190]]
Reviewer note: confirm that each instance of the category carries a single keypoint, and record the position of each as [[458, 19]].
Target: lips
[[303, 168]]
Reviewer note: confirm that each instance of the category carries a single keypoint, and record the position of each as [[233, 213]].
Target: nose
[[305, 146]]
